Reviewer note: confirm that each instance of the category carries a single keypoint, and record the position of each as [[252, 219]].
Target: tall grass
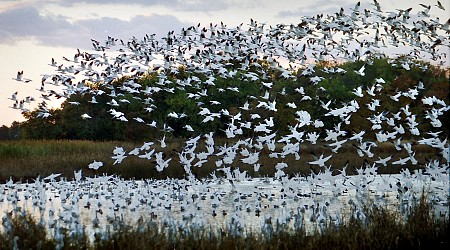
[[25, 160], [382, 229]]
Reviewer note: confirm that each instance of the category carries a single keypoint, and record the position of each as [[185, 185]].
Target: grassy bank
[[382, 229], [25, 160]]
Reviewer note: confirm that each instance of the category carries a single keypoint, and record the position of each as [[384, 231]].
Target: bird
[[119, 155], [78, 175], [95, 165], [163, 142], [188, 128], [401, 161], [14, 96], [321, 160], [439, 5], [383, 161], [85, 116], [361, 71], [93, 100], [51, 177], [19, 76], [358, 92]]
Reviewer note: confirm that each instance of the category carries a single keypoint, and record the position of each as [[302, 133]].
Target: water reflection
[[251, 205]]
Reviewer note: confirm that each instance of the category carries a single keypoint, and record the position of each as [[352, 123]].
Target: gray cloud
[[25, 23], [318, 7], [180, 5], [137, 26], [202, 5], [140, 2]]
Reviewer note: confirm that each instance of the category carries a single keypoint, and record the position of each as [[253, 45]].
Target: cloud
[[140, 2], [138, 26], [318, 7], [201, 5], [179, 5], [27, 23]]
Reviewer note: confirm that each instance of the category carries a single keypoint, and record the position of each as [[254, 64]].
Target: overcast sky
[[34, 31]]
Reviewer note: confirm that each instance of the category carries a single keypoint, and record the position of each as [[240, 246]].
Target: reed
[[28, 159]]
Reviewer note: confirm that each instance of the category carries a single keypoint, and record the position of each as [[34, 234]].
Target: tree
[[152, 103]]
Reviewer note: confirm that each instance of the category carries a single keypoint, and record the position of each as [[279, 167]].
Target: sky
[[32, 32]]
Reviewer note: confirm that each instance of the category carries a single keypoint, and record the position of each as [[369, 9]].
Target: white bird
[[396, 96], [19, 77], [119, 155], [122, 118], [401, 161], [51, 177], [251, 159], [267, 84], [383, 161], [300, 90], [85, 116], [358, 136], [14, 96], [280, 166], [379, 80], [325, 105], [312, 137], [358, 92], [113, 103], [337, 145], [147, 155], [95, 165], [93, 100], [371, 90], [161, 164], [245, 106], [320, 161], [78, 175], [361, 71], [188, 128], [138, 119], [163, 142]]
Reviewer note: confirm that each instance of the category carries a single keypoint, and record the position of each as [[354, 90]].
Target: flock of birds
[[94, 206], [363, 34]]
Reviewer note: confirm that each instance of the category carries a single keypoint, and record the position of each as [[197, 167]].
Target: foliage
[[156, 105]]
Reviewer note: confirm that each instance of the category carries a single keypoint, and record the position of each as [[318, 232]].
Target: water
[[241, 206]]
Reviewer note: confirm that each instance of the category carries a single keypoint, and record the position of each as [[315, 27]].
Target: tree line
[[335, 85]]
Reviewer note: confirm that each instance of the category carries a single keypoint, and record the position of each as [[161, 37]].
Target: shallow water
[[256, 205]]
